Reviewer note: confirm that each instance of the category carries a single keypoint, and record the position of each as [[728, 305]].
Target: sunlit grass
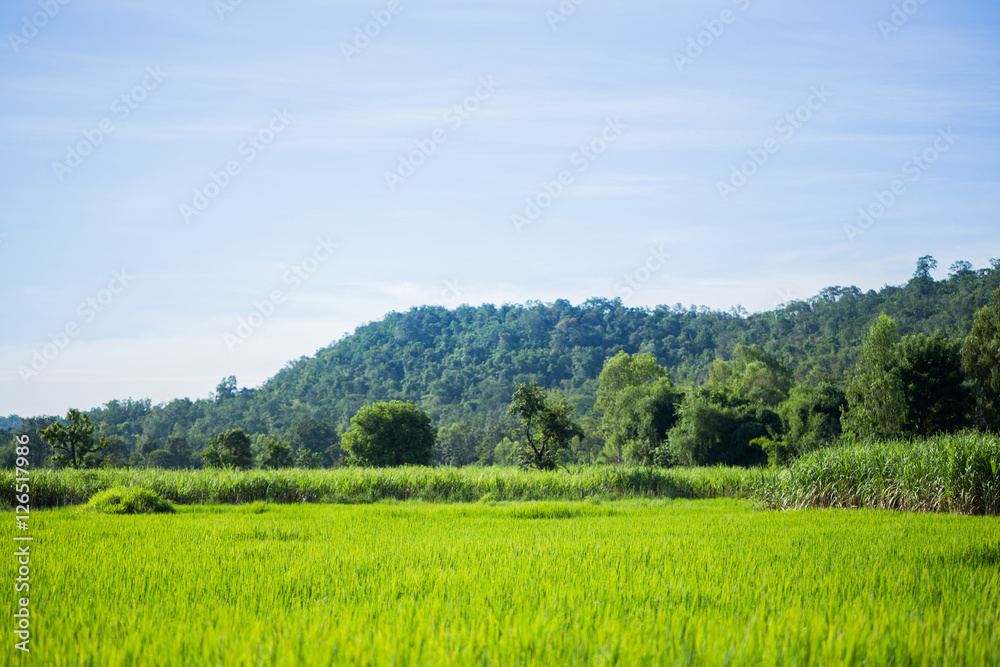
[[628, 582], [53, 488], [950, 473]]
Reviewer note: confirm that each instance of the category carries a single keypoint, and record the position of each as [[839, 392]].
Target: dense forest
[[461, 366]]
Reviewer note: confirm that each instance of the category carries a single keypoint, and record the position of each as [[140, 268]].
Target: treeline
[[780, 379]]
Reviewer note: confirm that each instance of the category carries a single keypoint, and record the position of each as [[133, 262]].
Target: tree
[[546, 429], [638, 401], [811, 416], [276, 454], [312, 436], [457, 445], [231, 449], [75, 439], [981, 356], [875, 396], [934, 383], [226, 389], [391, 433], [925, 265]]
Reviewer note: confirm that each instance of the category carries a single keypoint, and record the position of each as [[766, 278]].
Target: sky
[[195, 189]]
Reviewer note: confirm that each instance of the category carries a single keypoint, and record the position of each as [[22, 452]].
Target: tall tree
[[637, 402], [934, 383], [875, 396], [981, 355], [546, 428], [75, 439]]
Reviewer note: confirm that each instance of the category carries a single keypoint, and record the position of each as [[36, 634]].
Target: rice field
[[632, 582]]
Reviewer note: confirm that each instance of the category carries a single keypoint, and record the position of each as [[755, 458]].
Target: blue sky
[[201, 188]]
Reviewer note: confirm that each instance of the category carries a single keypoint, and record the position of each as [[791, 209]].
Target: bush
[[130, 500]]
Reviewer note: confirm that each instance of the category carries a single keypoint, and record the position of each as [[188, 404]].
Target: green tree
[[981, 356], [231, 449], [875, 396], [75, 439], [457, 445], [309, 433], [637, 402], [811, 416], [934, 382], [276, 454], [391, 433], [546, 428], [702, 435], [752, 378]]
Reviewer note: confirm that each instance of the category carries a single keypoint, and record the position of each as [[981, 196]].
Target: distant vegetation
[[666, 386]]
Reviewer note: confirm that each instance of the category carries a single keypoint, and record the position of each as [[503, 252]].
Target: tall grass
[[954, 473], [950, 473], [54, 488]]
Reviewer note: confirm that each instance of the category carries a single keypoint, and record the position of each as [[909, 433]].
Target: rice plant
[[631, 582]]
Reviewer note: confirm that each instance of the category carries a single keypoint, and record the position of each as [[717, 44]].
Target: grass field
[[702, 582]]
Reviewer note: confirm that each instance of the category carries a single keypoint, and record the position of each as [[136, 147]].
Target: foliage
[[56, 488], [637, 402], [75, 439], [460, 366], [934, 386], [457, 445], [128, 500], [876, 396], [981, 355], [945, 473], [229, 450], [711, 434], [276, 454], [391, 433], [811, 417], [546, 428]]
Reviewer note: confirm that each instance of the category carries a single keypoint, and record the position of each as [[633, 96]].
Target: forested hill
[[461, 365]]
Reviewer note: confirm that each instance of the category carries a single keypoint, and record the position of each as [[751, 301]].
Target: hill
[[461, 365]]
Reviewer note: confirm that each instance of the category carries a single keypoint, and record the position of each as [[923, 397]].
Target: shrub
[[131, 500]]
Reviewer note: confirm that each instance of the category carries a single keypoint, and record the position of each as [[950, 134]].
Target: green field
[[406, 583]]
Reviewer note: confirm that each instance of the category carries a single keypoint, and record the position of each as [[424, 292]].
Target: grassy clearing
[[953, 473], [55, 488], [627, 582]]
